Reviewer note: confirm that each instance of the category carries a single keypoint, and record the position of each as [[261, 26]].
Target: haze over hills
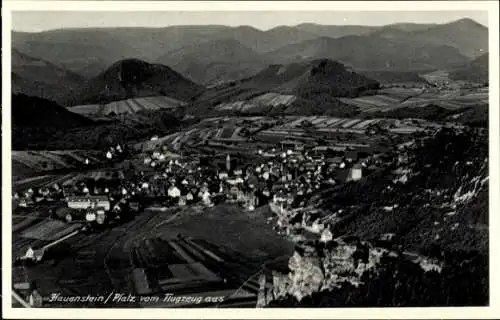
[[84, 51], [466, 35], [135, 78], [372, 52], [91, 51], [337, 31], [214, 61], [36, 77]]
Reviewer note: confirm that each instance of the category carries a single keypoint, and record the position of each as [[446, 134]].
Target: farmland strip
[[136, 107], [181, 252], [54, 158], [127, 107]]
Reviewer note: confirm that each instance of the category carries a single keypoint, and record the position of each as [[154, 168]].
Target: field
[[392, 98], [207, 131], [50, 230], [214, 248], [228, 132], [267, 102], [436, 76], [126, 106], [452, 100], [38, 182], [28, 163]]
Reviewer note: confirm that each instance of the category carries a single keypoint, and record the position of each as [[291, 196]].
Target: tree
[[306, 124]]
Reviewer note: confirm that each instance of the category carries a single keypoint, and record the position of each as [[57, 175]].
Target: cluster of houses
[[285, 176], [281, 176]]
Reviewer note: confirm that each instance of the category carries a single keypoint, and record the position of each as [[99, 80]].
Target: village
[[283, 175], [126, 185]]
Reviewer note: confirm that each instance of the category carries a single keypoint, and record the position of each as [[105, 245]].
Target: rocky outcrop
[[318, 268], [314, 269]]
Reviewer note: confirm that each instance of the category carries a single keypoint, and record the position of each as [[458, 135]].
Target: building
[[174, 192], [223, 175], [205, 198], [355, 173], [84, 202], [228, 163], [182, 201]]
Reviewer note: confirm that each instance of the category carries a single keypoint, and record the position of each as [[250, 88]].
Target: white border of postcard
[[343, 313]]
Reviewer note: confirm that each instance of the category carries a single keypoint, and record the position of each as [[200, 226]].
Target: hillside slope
[[36, 77], [467, 36], [474, 71], [134, 78], [37, 112], [440, 186], [214, 61], [395, 77]]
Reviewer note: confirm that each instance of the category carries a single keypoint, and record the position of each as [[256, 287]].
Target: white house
[[265, 175], [326, 236], [223, 175], [174, 192], [206, 198], [355, 173]]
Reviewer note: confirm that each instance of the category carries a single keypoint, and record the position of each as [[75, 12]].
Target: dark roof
[[341, 174]]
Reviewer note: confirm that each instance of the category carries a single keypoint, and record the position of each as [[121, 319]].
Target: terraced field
[[127, 106], [268, 100], [451, 100], [436, 76], [38, 182], [195, 134], [393, 98]]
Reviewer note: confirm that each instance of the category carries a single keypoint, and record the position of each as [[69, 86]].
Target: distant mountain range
[[215, 61], [405, 45], [376, 51], [214, 64]]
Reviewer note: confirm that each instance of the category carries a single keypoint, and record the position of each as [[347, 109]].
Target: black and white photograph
[[256, 159]]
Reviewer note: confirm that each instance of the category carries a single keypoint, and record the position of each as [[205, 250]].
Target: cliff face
[[336, 264], [306, 275]]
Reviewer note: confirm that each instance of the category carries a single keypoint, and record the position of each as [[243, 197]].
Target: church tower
[[228, 163]]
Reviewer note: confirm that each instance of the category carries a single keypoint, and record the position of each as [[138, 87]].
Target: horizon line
[[253, 27]]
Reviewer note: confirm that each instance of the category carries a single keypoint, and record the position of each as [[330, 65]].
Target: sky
[[36, 21]]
